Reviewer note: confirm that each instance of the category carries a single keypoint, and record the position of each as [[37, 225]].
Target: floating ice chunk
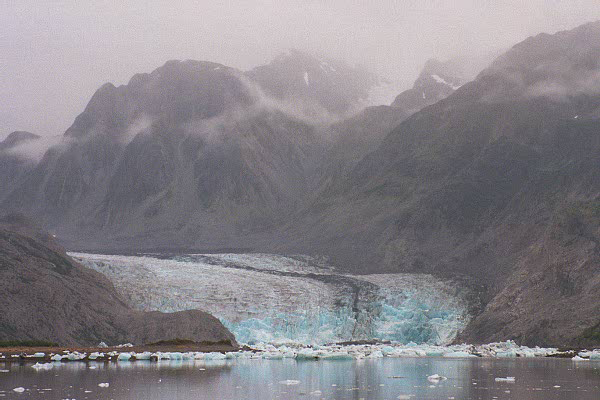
[[19, 389], [436, 378], [507, 379], [104, 384], [307, 354], [75, 356], [102, 344], [595, 355], [42, 365], [95, 355], [506, 354], [316, 393], [56, 357], [405, 396], [273, 356], [459, 354], [124, 357], [214, 356], [577, 358], [143, 356], [289, 382], [376, 354], [434, 353], [337, 355], [39, 355]]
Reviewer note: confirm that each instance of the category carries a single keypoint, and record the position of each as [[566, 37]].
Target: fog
[[55, 54]]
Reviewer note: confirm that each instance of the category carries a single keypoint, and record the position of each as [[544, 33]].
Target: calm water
[[388, 378]]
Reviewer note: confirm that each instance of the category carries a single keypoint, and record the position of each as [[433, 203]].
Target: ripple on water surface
[[388, 378]]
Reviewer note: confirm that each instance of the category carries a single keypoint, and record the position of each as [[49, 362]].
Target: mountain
[[170, 155], [496, 185], [50, 297], [436, 82], [499, 182], [199, 155], [319, 87], [16, 138], [14, 161]]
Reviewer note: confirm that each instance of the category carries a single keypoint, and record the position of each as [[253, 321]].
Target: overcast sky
[[55, 54]]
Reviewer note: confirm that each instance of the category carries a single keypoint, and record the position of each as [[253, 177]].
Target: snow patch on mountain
[[439, 79]]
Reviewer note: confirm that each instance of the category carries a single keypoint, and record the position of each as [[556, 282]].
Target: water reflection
[[387, 378]]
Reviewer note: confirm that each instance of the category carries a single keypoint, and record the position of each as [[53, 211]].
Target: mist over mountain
[[315, 85], [436, 82], [14, 161], [495, 181]]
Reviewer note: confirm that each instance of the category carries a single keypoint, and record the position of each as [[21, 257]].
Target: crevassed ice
[[277, 299]]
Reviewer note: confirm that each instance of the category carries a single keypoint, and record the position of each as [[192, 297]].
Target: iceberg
[[124, 357], [435, 378]]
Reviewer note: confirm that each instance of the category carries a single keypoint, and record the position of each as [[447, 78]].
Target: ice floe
[[436, 378], [507, 379]]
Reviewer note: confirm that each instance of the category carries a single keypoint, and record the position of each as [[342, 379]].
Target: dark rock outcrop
[[48, 296]]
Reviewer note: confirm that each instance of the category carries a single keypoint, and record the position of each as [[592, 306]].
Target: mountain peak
[[436, 81], [566, 63], [317, 83], [17, 137]]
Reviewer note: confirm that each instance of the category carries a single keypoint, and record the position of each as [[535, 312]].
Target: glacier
[[268, 298]]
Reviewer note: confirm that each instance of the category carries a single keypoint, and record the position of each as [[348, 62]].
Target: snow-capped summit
[[322, 85], [437, 81]]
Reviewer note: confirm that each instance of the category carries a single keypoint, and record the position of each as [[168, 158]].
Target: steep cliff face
[[48, 296]]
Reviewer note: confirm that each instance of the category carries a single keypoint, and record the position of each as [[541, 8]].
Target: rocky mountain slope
[[190, 145], [436, 82], [319, 87], [497, 184], [48, 296], [500, 182], [199, 155], [13, 164]]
